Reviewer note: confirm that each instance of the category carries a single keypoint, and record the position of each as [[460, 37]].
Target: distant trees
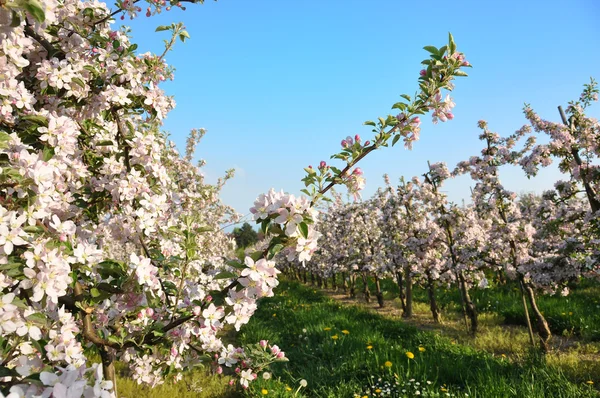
[[245, 235]]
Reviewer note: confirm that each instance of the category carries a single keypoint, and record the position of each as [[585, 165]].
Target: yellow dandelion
[[345, 332], [327, 329], [421, 349], [288, 388], [563, 313], [264, 391], [388, 364], [570, 313], [589, 382], [378, 391], [274, 315], [335, 337], [410, 355], [369, 347], [443, 389]]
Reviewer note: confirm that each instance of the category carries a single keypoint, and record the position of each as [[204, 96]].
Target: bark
[[366, 290], [470, 308], [542, 326], [108, 368], [378, 294], [344, 282], [401, 288], [408, 311], [435, 310], [334, 283]]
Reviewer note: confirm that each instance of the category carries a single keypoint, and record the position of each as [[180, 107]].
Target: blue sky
[[279, 83]]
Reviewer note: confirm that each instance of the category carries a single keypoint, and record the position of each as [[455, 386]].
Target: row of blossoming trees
[[412, 233], [111, 242]]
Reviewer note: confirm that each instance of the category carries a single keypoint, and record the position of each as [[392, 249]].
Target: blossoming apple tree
[[111, 242]]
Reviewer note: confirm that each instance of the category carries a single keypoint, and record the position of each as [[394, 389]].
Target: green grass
[[297, 317]]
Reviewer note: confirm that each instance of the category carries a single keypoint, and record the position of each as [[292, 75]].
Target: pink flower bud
[[367, 143], [237, 370], [63, 237], [344, 144], [231, 382], [149, 311], [140, 315], [423, 72], [219, 370], [322, 164], [197, 310], [263, 343], [357, 138], [208, 299], [466, 63], [281, 355], [449, 115], [357, 171]]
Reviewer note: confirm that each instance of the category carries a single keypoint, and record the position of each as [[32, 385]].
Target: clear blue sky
[[279, 83]]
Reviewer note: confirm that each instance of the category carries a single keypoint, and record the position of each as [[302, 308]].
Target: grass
[[373, 351]]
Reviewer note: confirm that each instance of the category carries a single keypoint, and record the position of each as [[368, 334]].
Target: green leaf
[[226, 275], [460, 73], [431, 49], [47, 153], [78, 81], [369, 123], [236, 264], [105, 143], [95, 292], [16, 20], [184, 35], [406, 97], [6, 372], [303, 229], [162, 28], [275, 249], [451, 44], [33, 229], [396, 138], [36, 10], [37, 318], [37, 119]]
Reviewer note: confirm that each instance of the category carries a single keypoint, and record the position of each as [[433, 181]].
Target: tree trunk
[[435, 311], [408, 312], [378, 294], [344, 282], [305, 276], [334, 283], [312, 279], [470, 308], [401, 288], [542, 326], [352, 285], [366, 290], [108, 368]]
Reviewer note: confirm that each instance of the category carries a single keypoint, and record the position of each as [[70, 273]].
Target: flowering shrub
[[111, 241]]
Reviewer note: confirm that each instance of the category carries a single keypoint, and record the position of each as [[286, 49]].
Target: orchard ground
[[344, 347]]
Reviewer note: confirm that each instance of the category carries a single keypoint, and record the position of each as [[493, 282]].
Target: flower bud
[[197, 310], [263, 343], [149, 311], [423, 72], [367, 143], [357, 138], [322, 164]]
